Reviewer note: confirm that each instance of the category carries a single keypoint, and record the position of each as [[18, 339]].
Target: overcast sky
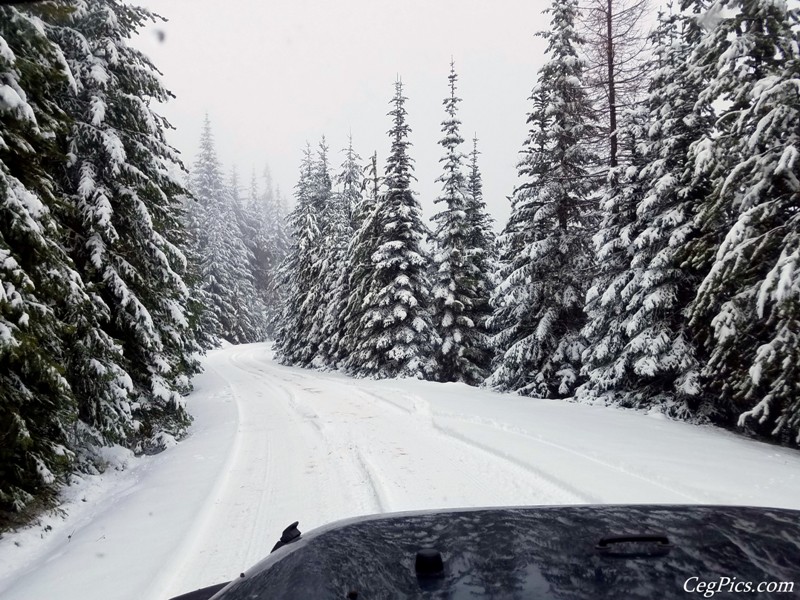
[[274, 73]]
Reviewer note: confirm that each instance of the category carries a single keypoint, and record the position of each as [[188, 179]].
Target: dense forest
[[651, 259], [109, 262], [652, 255]]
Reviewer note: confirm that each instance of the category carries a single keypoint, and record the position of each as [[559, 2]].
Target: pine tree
[[37, 407], [331, 221], [338, 239], [606, 360], [547, 254], [750, 295], [351, 182], [511, 321], [359, 267], [258, 240], [224, 260], [127, 229], [202, 318], [269, 247], [334, 237], [462, 348], [481, 257], [482, 242], [299, 271], [251, 232], [395, 339], [658, 364]]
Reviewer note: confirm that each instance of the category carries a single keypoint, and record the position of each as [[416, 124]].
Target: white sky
[[274, 73]]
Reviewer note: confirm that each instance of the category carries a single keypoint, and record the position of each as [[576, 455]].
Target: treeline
[[364, 291], [96, 337], [652, 255]]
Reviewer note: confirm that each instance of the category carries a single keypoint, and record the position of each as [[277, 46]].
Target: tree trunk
[[612, 100]]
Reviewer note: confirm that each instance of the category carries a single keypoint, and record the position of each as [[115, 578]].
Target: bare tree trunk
[[615, 50], [612, 96]]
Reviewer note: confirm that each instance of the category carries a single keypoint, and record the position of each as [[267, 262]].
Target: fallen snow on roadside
[[78, 502], [271, 445]]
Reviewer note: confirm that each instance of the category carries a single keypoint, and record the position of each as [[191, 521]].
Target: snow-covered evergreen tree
[[751, 294], [37, 408], [304, 274], [646, 357], [351, 182], [510, 320], [482, 242], [298, 273], [396, 334], [338, 236], [250, 219], [359, 267], [259, 242], [331, 222], [462, 350], [224, 260], [481, 255], [547, 242], [202, 319], [606, 358], [127, 232], [270, 245]]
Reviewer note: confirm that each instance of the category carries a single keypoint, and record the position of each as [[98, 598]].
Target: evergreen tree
[[482, 242], [127, 228], [547, 254], [257, 237], [396, 331], [656, 364], [750, 295], [37, 408], [462, 352], [510, 321], [331, 221], [270, 247], [202, 319], [338, 239], [481, 257], [606, 360], [251, 224], [299, 271], [351, 182], [334, 237], [224, 260], [359, 267]]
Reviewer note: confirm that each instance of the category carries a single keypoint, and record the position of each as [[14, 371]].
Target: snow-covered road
[[271, 445]]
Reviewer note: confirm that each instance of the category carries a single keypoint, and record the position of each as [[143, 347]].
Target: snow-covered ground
[[271, 445]]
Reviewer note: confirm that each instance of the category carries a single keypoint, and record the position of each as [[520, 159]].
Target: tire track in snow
[[434, 419], [266, 481], [171, 574], [536, 440], [376, 498], [252, 502], [370, 476], [419, 409], [369, 459], [416, 401], [554, 488], [416, 406]]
